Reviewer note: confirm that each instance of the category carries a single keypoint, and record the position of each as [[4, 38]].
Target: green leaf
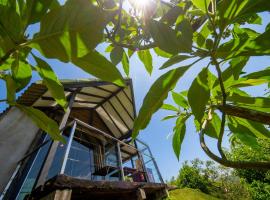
[[35, 10], [235, 10], [51, 81], [247, 82], [146, 58], [244, 126], [43, 122], [256, 103], [162, 53], [169, 117], [199, 94], [179, 100], [116, 55], [169, 107], [246, 139], [212, 128], [155, 97], [200, 38], [10, 28], [125, 63], [70, 31], [232, 73], [243, 46], [179, 134], [202, 4], [21, 72], [96, 64], [172, 14], [168, 40], [263, 74], [174, 60]]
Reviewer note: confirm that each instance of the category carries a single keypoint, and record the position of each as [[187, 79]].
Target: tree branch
[[229, 163], [220, 136], [245, 113]]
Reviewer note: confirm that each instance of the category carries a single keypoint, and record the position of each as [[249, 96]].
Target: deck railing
[[103, 164]]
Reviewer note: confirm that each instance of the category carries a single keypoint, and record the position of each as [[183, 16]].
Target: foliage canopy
[[190, 30]]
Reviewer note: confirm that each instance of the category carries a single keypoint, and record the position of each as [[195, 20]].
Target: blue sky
[[157, 131]]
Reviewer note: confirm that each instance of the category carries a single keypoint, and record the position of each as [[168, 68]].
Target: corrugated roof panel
[[127, 103], [115, 117], [81, 105], [44, 103], [82, 97], [125, 113], [93, 90], [111, 88], [108, 122]]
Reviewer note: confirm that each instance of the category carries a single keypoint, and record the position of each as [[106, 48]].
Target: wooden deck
[[65, 187]]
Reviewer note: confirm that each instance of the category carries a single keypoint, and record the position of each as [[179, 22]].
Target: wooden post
[[120, 161], [141, 194], [49, 159], [59, 195]]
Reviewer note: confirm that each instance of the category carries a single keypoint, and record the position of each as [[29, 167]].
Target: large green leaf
[[70, 31], [256, 103], [21, 72], [244, 126], [242, 82], [155, 97], [116, 55], [42, 121], [167, 38], [232, 73], [179, 134], [35, 10], [235, 10], [146, 58], [10, 28], [243, 46], [51, 81], [162, 53], [201, 4], [96, 64], [174, 60], [199, 94], [263, 74], [212, 128], [180, 100], [125, 63]]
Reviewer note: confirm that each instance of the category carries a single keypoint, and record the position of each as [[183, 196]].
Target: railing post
[[142, 161], [154, 161], [120, 161], [71, 135]]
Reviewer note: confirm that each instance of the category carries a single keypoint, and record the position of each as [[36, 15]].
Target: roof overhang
[[114, 104]]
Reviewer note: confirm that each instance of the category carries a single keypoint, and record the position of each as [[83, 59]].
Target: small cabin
[[99, 159]]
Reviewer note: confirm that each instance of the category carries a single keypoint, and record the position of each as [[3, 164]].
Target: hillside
[[189, 194]]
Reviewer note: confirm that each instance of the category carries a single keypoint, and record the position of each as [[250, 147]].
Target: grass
[[189, 194]]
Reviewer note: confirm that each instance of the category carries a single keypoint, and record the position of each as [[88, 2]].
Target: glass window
[[33, 172]]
